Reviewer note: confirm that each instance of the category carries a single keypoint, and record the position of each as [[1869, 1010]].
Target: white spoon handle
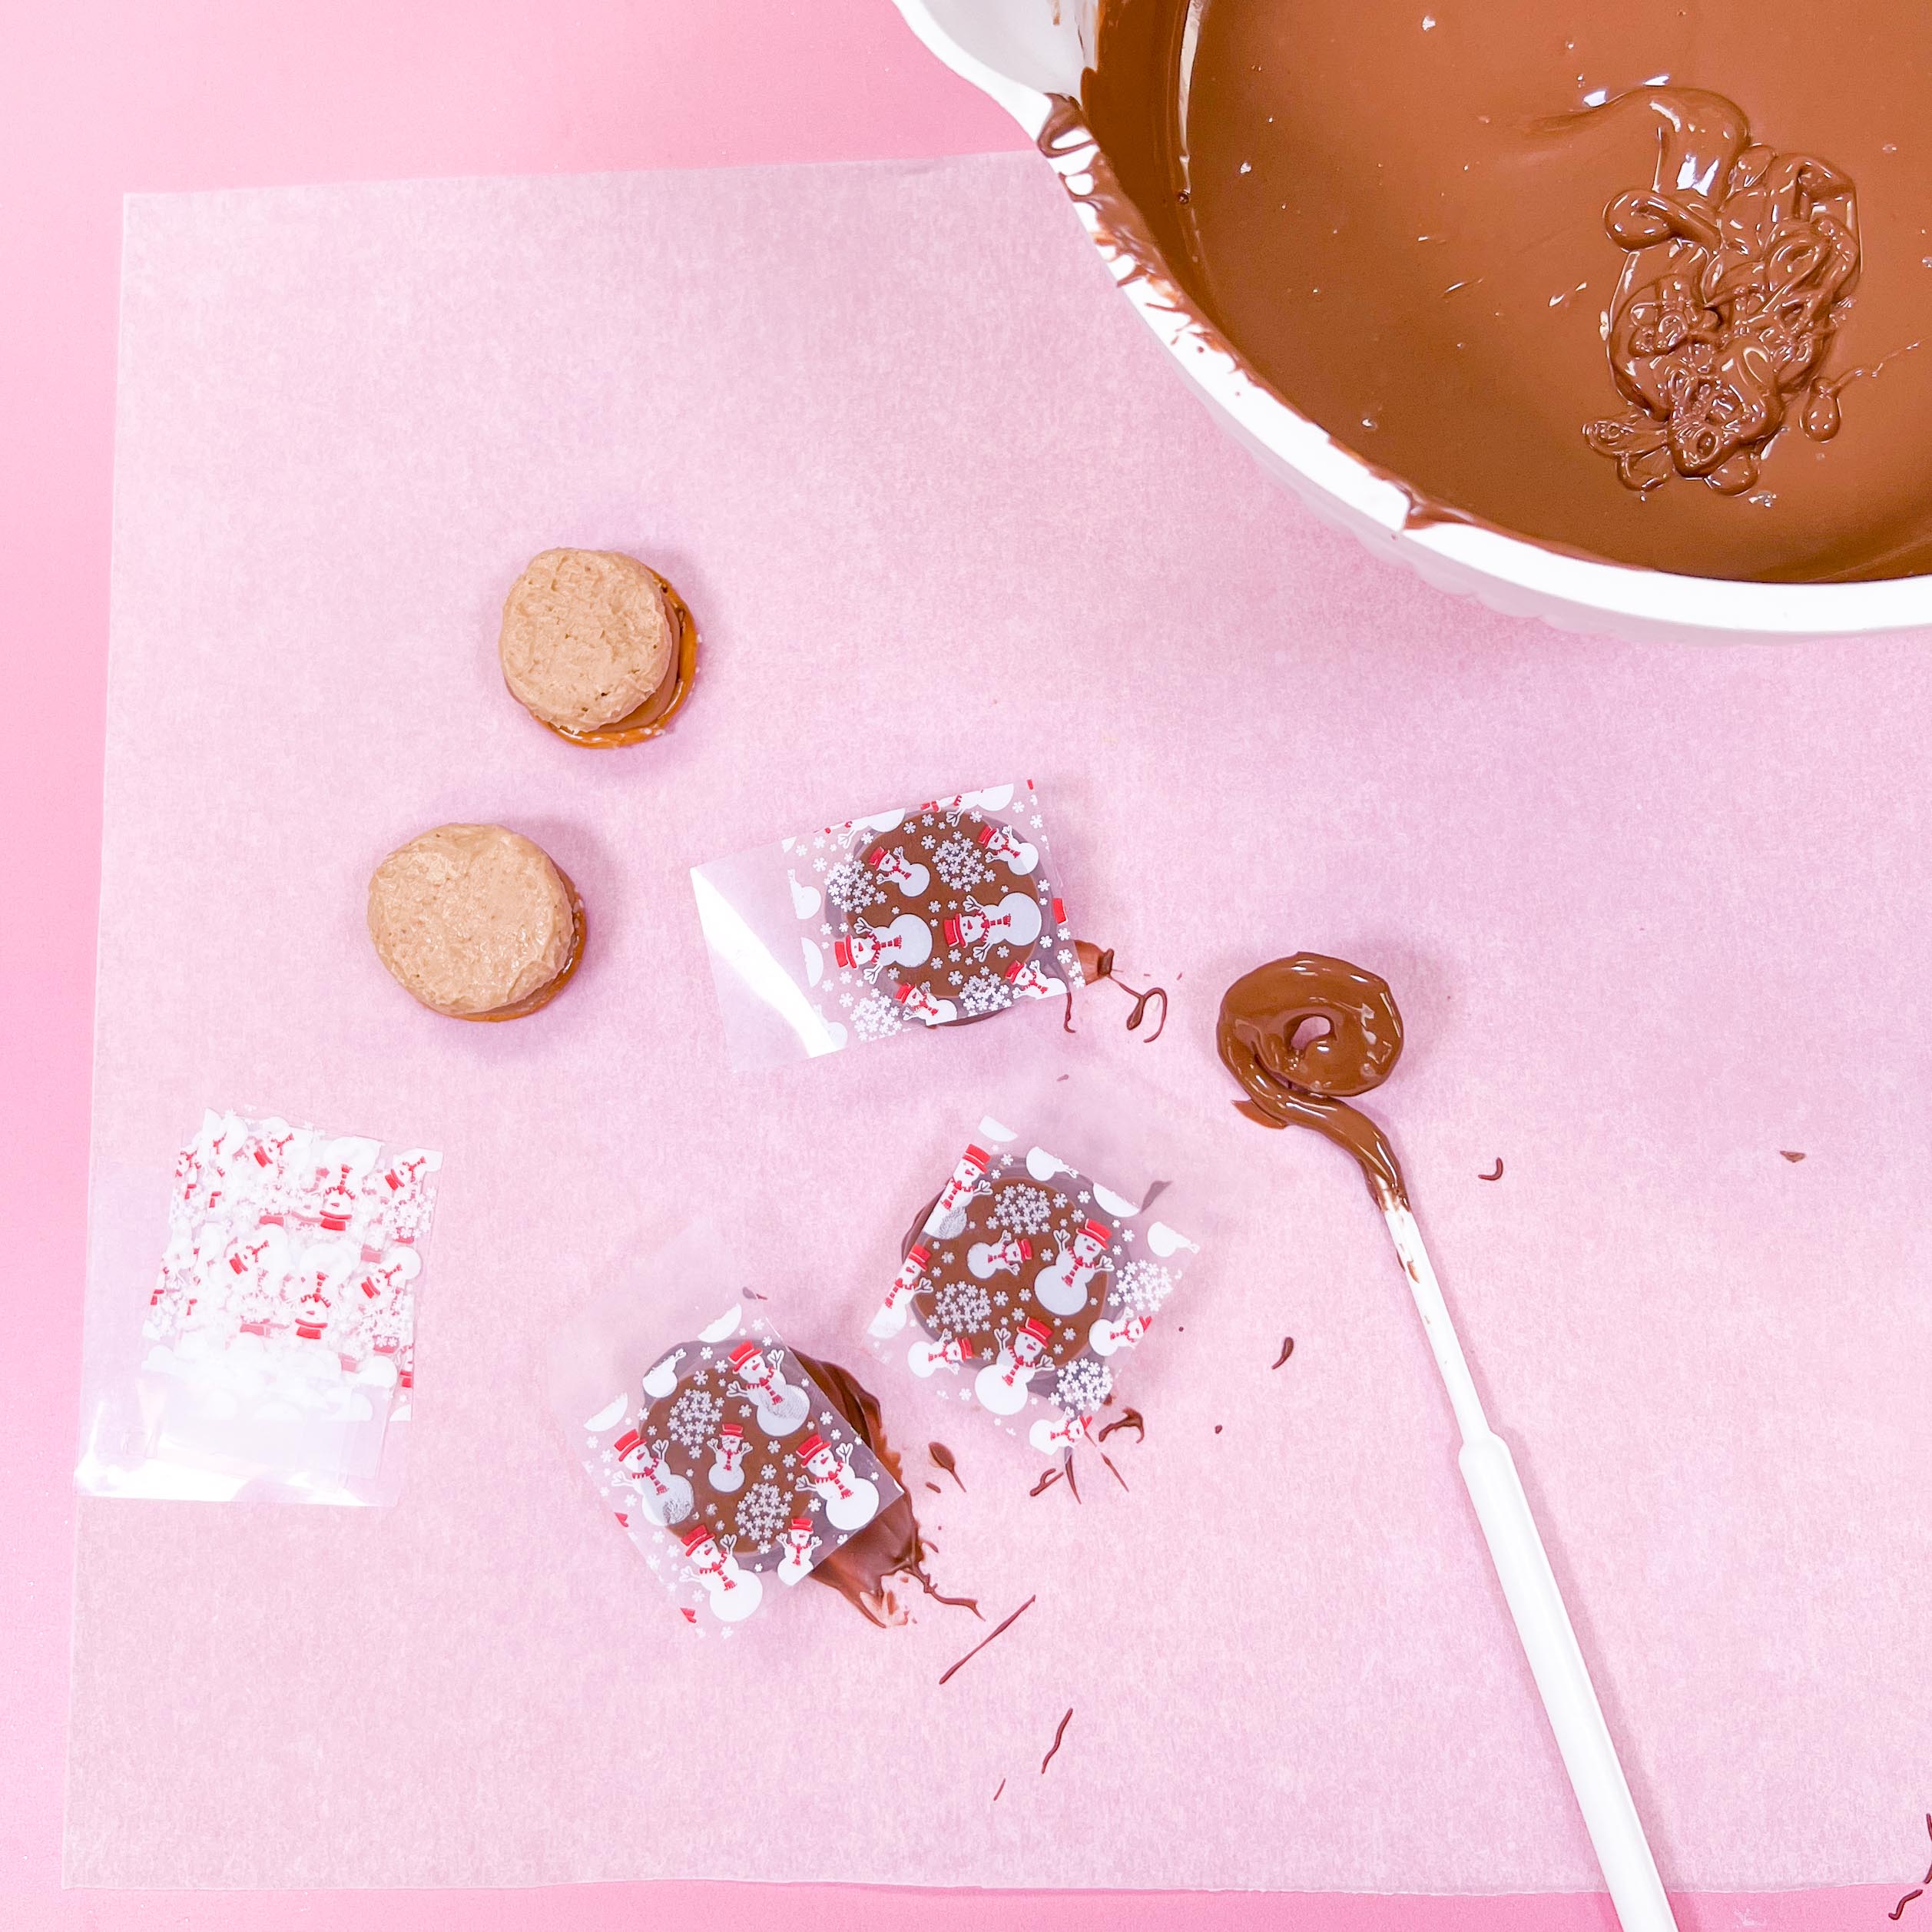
[[1563, 1681], [1535, 1603]]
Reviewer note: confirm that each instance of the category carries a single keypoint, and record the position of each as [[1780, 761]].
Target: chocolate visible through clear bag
[[915, 919]]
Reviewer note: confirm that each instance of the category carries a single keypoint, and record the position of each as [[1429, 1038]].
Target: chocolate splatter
[[1046, 1481], [935, 1488], [995, 1632], [1002, 1786], [1127, 1419], [1109, 1461], [1497, 1175], [752, 1294], [1096, 965], [1790, 1156], [1288, 1349], [1217, 1428], [1054, 1746], [1918, 1891], [863, 1570], [943, 1459]]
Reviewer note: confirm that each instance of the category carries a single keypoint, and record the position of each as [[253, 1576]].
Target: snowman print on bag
[[734, 1594], [851, 1501], [781, 1408], [1061, 1289], [926, 1358], [890, 862], [663, 1497], [726, 1474], [891, 1314], [1002, 1385], [796, 1564]]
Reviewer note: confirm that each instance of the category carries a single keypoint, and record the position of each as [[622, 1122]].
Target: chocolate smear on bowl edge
[[864, 1569]]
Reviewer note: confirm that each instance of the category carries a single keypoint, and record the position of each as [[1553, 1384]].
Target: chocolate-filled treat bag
[[915, 919], [269, 1355], [712, 1444], [1026, 1281]]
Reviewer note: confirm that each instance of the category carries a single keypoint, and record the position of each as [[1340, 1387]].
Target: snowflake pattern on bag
[[731, 1470], [944, 914], [1023, 1285]]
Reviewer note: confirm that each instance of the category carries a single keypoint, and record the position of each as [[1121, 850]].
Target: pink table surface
[[99, 101]]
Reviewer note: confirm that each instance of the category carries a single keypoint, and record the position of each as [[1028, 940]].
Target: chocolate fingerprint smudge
[[1498, 1175], [1918, 1891], [990, 1634], [943, 1459], [1046, 1481], [1109, 1461], [1127, 1419], [1288, 1349], [1790, 1156], [1054, 1746]]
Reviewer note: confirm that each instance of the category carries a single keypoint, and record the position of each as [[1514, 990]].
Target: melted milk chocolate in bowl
[[1648, 282]]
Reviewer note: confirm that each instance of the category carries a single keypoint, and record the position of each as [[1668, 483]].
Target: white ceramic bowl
[[1021, 52]]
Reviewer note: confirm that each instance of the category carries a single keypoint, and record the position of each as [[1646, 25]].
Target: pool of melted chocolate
[[1646, 282]]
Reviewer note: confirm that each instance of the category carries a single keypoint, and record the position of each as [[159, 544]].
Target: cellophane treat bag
[[1025, 1281], [267, 1350], [912, 919], [711, 1444]]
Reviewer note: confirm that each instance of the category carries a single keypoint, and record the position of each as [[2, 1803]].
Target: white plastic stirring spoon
[[1261, 1016]]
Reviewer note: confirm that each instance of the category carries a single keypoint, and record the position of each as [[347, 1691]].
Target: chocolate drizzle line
[[1307, 1084], [1002, 1786], [1071, 1483], [1116, 1473], [1497, 1175], [1918, 1891], [1288, 1349], [1046, 1481], [1127, 1419], [997, 1629], [943, 1459], [1789, 1155], [1057, 1736], [862, 1570], [1096, 965]]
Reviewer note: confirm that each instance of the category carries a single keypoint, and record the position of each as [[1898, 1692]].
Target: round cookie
[[947, 915], [475, 921], [597, 646], [983, 1283]]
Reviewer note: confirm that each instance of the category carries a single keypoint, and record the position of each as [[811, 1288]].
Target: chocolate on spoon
[[1304, 1036]]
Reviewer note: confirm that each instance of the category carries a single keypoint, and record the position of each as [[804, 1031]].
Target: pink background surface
[[109, 103]]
